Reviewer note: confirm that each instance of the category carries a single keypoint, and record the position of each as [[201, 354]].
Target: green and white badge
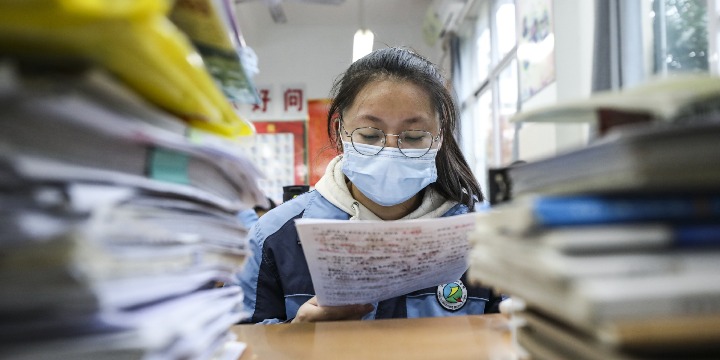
[[452, 296]]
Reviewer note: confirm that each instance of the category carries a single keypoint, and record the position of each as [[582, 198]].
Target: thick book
[[674, 99], [661, 157], [557, 264], [603, 238], [588, 297], [629, 237], [558, 211], [550, 342], [688, 337]]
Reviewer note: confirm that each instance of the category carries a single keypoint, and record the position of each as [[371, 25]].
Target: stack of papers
[[612, 269], [135, 41], [124, 141], [119, 236]]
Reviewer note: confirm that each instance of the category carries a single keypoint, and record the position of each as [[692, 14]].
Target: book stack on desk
[[116, 230], [679, 98], [614, 248]]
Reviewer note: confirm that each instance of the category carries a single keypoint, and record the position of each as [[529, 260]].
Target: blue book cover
[[692, 236], [598, 209]]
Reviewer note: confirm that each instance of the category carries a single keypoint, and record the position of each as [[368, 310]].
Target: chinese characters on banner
[[262, 107], [285, 102], [293, 100]]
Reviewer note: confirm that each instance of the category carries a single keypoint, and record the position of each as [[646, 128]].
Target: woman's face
[[392, 106]]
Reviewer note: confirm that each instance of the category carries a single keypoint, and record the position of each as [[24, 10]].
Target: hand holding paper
[[310, 311]]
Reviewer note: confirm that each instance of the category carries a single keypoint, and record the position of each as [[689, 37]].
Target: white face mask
[[388, 178]]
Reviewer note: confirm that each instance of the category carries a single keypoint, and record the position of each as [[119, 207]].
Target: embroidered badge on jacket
[[452, 296]]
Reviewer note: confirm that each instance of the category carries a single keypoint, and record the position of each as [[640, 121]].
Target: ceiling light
[[364, 38]]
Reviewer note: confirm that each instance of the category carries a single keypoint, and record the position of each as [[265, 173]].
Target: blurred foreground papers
[[116, 232], [615, 247], [135, 41]]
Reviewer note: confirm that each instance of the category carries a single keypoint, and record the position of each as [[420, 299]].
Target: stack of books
[[116, 231], [680, 98], [614, 248], [119, 234]]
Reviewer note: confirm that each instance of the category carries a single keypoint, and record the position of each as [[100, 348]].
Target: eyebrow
[[408, 121]]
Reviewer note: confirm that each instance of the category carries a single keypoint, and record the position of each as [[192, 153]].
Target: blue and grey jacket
[[276, 280]]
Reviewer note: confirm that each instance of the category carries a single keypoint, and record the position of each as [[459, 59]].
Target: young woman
[[392, 118]]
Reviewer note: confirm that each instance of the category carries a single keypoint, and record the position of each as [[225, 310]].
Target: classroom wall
[[315, 54]]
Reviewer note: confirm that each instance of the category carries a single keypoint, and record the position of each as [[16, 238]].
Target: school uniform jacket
[[276, 281]]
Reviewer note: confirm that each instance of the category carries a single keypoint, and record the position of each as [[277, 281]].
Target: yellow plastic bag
[[133, 39]]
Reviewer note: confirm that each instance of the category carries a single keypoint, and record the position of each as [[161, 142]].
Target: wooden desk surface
[[461, 337]]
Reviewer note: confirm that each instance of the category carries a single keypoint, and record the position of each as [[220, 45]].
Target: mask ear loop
[[338, 131], [439, 140], [440, 136]]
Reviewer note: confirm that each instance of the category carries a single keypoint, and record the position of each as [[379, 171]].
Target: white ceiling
[[315, 44], [254, 14]]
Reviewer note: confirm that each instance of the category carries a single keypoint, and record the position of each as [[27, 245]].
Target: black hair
[[271, 205], [455, 179]]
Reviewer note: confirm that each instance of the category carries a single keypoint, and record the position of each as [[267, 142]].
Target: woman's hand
[[310, 311]]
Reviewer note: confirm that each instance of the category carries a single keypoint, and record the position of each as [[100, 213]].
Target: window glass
[[483, 49], [484, 54], [715, 38], [508, 92], [484, 147], [463, 74], [505, 26], [681, 35], [466, 134]]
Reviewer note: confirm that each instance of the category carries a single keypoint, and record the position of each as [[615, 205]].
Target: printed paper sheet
[[363, 262]]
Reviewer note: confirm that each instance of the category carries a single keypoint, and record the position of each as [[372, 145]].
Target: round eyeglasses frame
[[384, 141]]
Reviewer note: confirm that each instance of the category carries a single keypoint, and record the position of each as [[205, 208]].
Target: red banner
[[320, 151]]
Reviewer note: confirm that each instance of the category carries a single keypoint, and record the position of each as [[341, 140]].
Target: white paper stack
[[117, 233]]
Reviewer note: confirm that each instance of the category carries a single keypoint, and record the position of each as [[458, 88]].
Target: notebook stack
[[614, 248], [119, 235], [115, 230]]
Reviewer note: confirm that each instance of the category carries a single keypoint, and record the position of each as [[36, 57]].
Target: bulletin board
[[280, 152]]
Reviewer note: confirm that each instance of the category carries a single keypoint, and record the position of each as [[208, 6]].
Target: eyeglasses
[[409, 141]]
